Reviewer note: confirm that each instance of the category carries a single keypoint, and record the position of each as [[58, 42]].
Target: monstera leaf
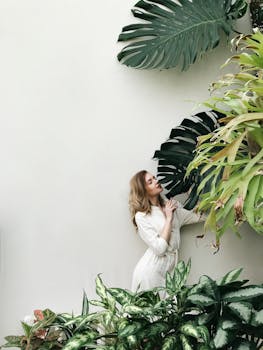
[[178, 151], [176, 33]]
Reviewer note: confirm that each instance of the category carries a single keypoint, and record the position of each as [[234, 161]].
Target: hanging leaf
[[176, 33], [178, 151]]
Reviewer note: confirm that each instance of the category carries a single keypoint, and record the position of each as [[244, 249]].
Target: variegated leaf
[[121, 347], [204, 333], [97, 303], [157, 328], [243, 294], [89, 318], [180, 267], [169, 282], [190, 330], [63, 318], [243, 344], [205, 318], [132, 309], [27, 329], [122, 296], [100, 288], [130, 329], [79, 340], [242, 309], [13, 341], [169, 343], [132, 340], [85, 305], [228, 324], [221, 338], [209, 286], [186, 345], [74, 320], [201, 300], [204, 347], [230, 277], [107, 318], [257, 318]]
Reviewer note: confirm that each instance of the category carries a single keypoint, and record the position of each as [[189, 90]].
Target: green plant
[[226, 314], [234, 152], [176, 33], [178, 151], [256, 11]]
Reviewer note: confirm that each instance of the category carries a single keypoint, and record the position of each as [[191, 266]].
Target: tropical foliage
[[256, 11], [177, 152], [176, 33], [226, 314], [232, 156]]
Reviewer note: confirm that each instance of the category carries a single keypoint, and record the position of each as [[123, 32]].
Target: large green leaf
[[201, 300], [231, 276], [195, 331], [243, 293], [176, 33], [222, 337], [78, 341], [243, 344], [186, 345], [13, 341], [169, 343], [242, 309], [130, 329], [178, 151], [257, 319], [122, 296]]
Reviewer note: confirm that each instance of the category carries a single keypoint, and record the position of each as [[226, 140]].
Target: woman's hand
[[170, 206]]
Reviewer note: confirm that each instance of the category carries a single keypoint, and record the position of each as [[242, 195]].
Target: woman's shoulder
[[140, 214], [143, 216]]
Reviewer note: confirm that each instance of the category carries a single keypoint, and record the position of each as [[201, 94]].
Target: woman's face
[[152, 186]]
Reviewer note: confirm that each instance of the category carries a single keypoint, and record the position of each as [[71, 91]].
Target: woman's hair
[[138, 199]]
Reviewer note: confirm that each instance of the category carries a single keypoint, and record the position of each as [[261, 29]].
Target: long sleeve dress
[[160, 256]]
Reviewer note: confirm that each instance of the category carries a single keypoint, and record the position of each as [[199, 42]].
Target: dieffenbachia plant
[[225, 314]]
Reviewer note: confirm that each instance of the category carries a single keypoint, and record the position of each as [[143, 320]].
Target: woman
[[158, 224]]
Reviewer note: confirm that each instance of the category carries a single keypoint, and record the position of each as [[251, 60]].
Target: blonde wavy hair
[[138, 199]]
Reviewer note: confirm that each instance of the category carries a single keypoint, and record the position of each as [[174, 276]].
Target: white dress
[[160, 256]]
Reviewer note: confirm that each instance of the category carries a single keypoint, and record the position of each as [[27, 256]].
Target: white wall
[[75, 126]]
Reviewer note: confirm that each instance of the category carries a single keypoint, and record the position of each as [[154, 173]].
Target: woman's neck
[[155, 201]]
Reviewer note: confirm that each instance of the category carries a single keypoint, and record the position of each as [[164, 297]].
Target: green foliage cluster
[[232, 156], [224, 314]]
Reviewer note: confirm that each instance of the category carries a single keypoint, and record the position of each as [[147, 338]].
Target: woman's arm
[[170, 207], [149, 234], [157, 241], [187, 217]]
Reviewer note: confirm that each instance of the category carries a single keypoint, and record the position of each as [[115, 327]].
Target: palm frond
[[176, 33], [178, 151]]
